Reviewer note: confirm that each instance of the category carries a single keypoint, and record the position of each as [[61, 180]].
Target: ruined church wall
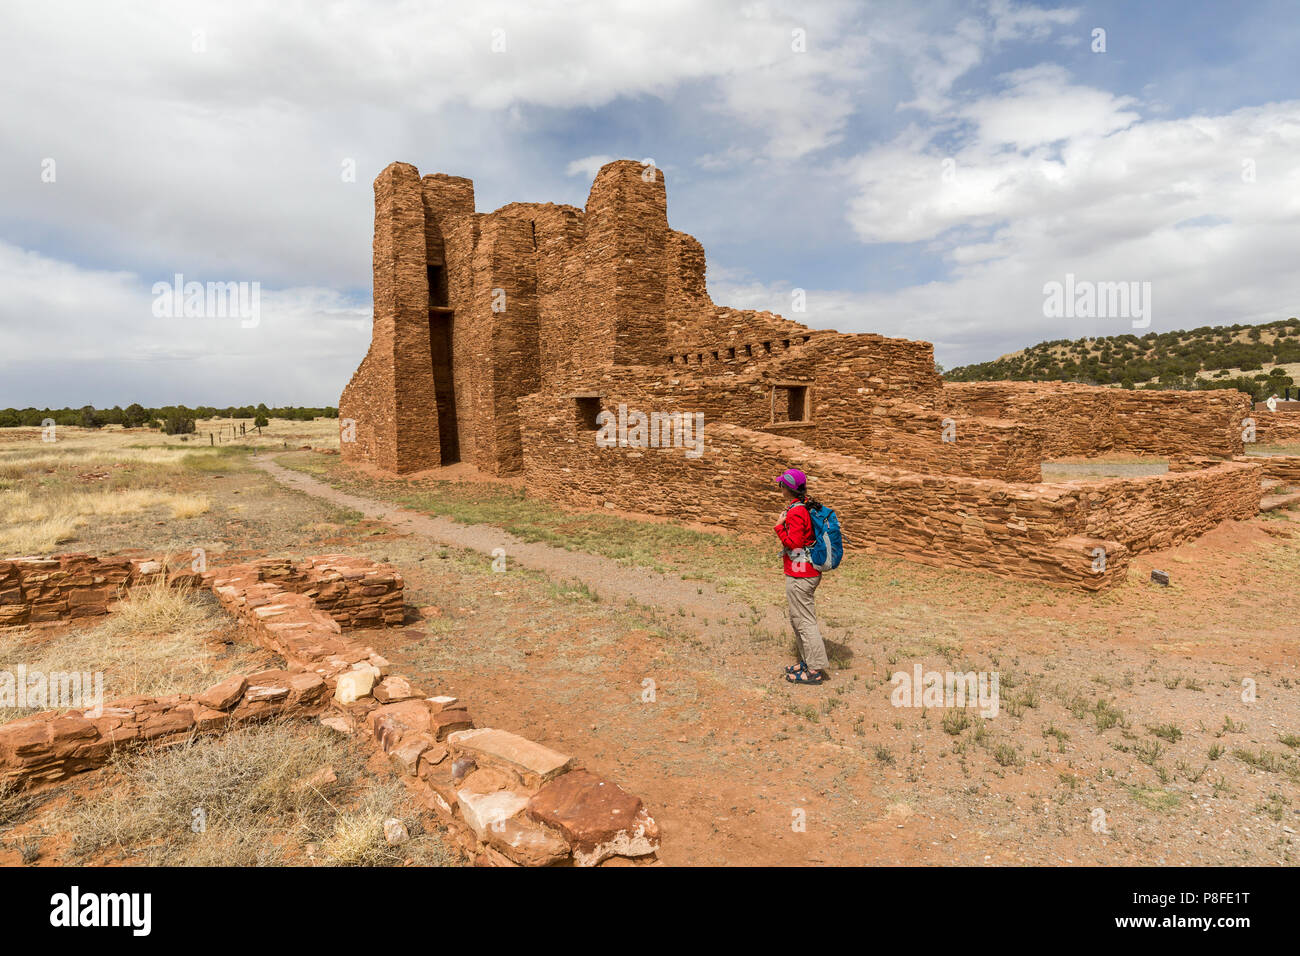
[[1022, 530], [1276, 428], [391, 391], [852, 410], [908, 436], [493, 290], [1012, 530], [1155, 512], [624, 263], [1085, 420]]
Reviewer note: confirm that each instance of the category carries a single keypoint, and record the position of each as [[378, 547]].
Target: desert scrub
[[37, 523], [158, 641], [280, 793]]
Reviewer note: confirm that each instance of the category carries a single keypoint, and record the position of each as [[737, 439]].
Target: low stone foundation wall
[[506, 800], [1159, 511], [38, 590], [1276, 428], [51, 746], [1282, 467], [1077, 533]]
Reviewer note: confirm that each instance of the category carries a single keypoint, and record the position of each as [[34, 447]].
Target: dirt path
[[610, 581], [730, 757], [708, 759]]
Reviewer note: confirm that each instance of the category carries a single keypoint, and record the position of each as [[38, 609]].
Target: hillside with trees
[[1256, 359]]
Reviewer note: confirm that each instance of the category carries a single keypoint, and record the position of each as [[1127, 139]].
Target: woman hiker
[[801, 579]]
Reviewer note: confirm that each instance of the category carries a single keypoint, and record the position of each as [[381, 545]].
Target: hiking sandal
[[806, 677], [797, 668]]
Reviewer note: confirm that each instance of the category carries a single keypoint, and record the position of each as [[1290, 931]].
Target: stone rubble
[[495, 790]]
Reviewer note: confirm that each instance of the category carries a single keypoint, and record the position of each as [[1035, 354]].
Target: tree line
[[172, 419]]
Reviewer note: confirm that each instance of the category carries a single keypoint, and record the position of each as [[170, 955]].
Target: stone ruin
[[500, 337], [506, 800]]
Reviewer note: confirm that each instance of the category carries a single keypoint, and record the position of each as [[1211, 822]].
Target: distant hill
[[1257, 359]]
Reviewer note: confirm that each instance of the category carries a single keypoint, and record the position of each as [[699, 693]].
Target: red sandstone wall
[[625, 260], [1276, 428], [908, 436], [39, 590], [1154, 512], [1017, 530], [392, 392], [1012, 530], [1088, 420], [1286, 468], [495, 346], [844, 417]]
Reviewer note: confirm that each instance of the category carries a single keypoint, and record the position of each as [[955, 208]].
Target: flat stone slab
[[599, 818], [531, 762], [483, 811], [391, 723], [528, 843], [224, 695], [1274, 502]]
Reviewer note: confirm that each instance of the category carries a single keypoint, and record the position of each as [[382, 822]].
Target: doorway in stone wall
[[444, 390], [441, 325]]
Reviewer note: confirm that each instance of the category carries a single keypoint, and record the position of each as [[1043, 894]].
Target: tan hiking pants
[[803, 618]]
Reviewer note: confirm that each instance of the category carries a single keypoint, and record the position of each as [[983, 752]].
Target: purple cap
[[792, 478]]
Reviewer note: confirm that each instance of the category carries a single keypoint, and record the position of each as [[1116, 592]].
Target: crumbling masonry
[[499, 338]]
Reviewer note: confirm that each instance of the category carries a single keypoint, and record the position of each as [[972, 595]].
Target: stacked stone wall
[[1085, 420], [507, 800]]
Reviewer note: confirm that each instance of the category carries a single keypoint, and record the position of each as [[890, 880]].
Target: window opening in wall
[[790, 403], [438, 295], [588, 412]]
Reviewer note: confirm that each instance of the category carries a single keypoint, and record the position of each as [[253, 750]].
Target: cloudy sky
[[919, 169]]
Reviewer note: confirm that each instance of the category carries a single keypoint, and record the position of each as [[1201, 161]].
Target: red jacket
[[796, 533]]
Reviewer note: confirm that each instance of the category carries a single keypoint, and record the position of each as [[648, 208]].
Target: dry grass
[[155, 609], [189, 506], [19, 460], [158, 641], [106, 445], [38, 523], [259, 804]]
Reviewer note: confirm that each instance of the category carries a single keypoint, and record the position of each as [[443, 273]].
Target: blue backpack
[[828, 544]]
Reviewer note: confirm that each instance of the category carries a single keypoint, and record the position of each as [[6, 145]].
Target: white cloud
[[588, 166], [73, 336], [1027, 22], [226, 163], [1054, 178]]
